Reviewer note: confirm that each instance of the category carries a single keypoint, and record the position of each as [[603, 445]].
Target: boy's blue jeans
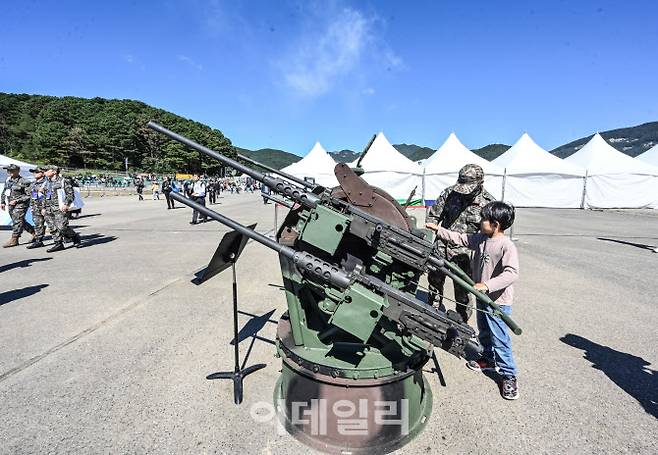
[[494, 338]]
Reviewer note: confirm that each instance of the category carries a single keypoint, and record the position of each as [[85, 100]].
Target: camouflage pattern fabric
[[18, 191], [18, 223], [38, 205], [460, 213], [58, 222]]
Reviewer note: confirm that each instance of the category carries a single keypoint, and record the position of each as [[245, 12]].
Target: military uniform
[[38, 205], [58, 221], [458, 209], [18, 193]]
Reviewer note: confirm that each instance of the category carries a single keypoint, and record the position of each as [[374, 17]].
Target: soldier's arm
[[436, 211], [24, 196], [3, 196], [69, 195]]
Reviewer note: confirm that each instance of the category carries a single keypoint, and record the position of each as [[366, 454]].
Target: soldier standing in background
[[18, 203], [212, 192], [458, 209], [38, 205], [166, 190], [56, 216]]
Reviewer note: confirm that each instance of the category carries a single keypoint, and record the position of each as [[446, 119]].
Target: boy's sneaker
[[509, 389], [481, 364]]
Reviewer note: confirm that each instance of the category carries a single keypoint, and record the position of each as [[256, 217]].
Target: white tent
[[6, 161], [650, 156], [317, 164], [535, 178], [5, 220], [391, 171], [442, 169], [615, 180]]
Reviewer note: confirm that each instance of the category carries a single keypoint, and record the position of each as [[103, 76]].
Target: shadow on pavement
[[629, 372], [623, 242], [88, 216], [21, 264], [96, 239], [10, 296], [251, 329]]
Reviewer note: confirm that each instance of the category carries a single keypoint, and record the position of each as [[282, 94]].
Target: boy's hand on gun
[[481, 287], [432, 226]]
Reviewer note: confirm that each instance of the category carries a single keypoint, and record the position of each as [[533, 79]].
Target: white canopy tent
[[442, 169], [615, 180], [650, 156], [535, 178], [391, 171], [5, 220], [317, 164]]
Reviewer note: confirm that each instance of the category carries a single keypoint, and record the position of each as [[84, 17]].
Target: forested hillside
[[100, 133]]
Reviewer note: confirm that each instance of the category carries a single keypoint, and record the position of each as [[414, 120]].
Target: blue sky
[[283, 74]]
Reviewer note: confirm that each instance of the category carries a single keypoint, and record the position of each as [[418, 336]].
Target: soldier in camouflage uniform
[[458, 209], [38, 205], [18, 203], [56, 216]]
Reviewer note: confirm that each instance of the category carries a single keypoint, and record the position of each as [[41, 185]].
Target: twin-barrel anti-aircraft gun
[[355, 337]]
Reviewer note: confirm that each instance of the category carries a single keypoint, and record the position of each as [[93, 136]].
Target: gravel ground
[[105, 349]]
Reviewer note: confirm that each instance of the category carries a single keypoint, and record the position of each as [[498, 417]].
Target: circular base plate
[[355, 419]]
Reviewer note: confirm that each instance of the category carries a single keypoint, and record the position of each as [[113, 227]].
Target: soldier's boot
[[36, 243], [59, 246], [13, 241], [77, 241]]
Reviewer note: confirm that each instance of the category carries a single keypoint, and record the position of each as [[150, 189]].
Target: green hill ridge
[[101, 134]]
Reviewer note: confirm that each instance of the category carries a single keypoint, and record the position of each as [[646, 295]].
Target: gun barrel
[[277, 201], [211, 153], [285, 175], [467, 283]]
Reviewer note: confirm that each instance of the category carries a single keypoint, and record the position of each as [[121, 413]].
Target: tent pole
[[584, 198], [502, 196]]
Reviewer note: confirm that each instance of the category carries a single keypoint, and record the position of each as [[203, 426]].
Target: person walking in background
[[199, 196], [167, 188], [212, 192], [18, 202], [38, 205], [155, 191], [458, 209], [56, 208], [139, 185]]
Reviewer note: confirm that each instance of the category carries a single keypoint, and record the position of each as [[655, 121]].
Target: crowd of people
[[198, 188]]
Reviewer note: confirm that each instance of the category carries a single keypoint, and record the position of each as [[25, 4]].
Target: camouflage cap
[[51, 167], [38, 169], [12, 167], [471, 176]]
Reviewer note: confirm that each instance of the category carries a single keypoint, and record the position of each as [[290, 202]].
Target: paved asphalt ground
[[105, 349]]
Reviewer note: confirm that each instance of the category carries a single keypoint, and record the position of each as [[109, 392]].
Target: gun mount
[[354, 334]]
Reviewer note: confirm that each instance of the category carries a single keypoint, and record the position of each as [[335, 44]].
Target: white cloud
[[335, 43], [128, 58], [324, 55], [189, 61]]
